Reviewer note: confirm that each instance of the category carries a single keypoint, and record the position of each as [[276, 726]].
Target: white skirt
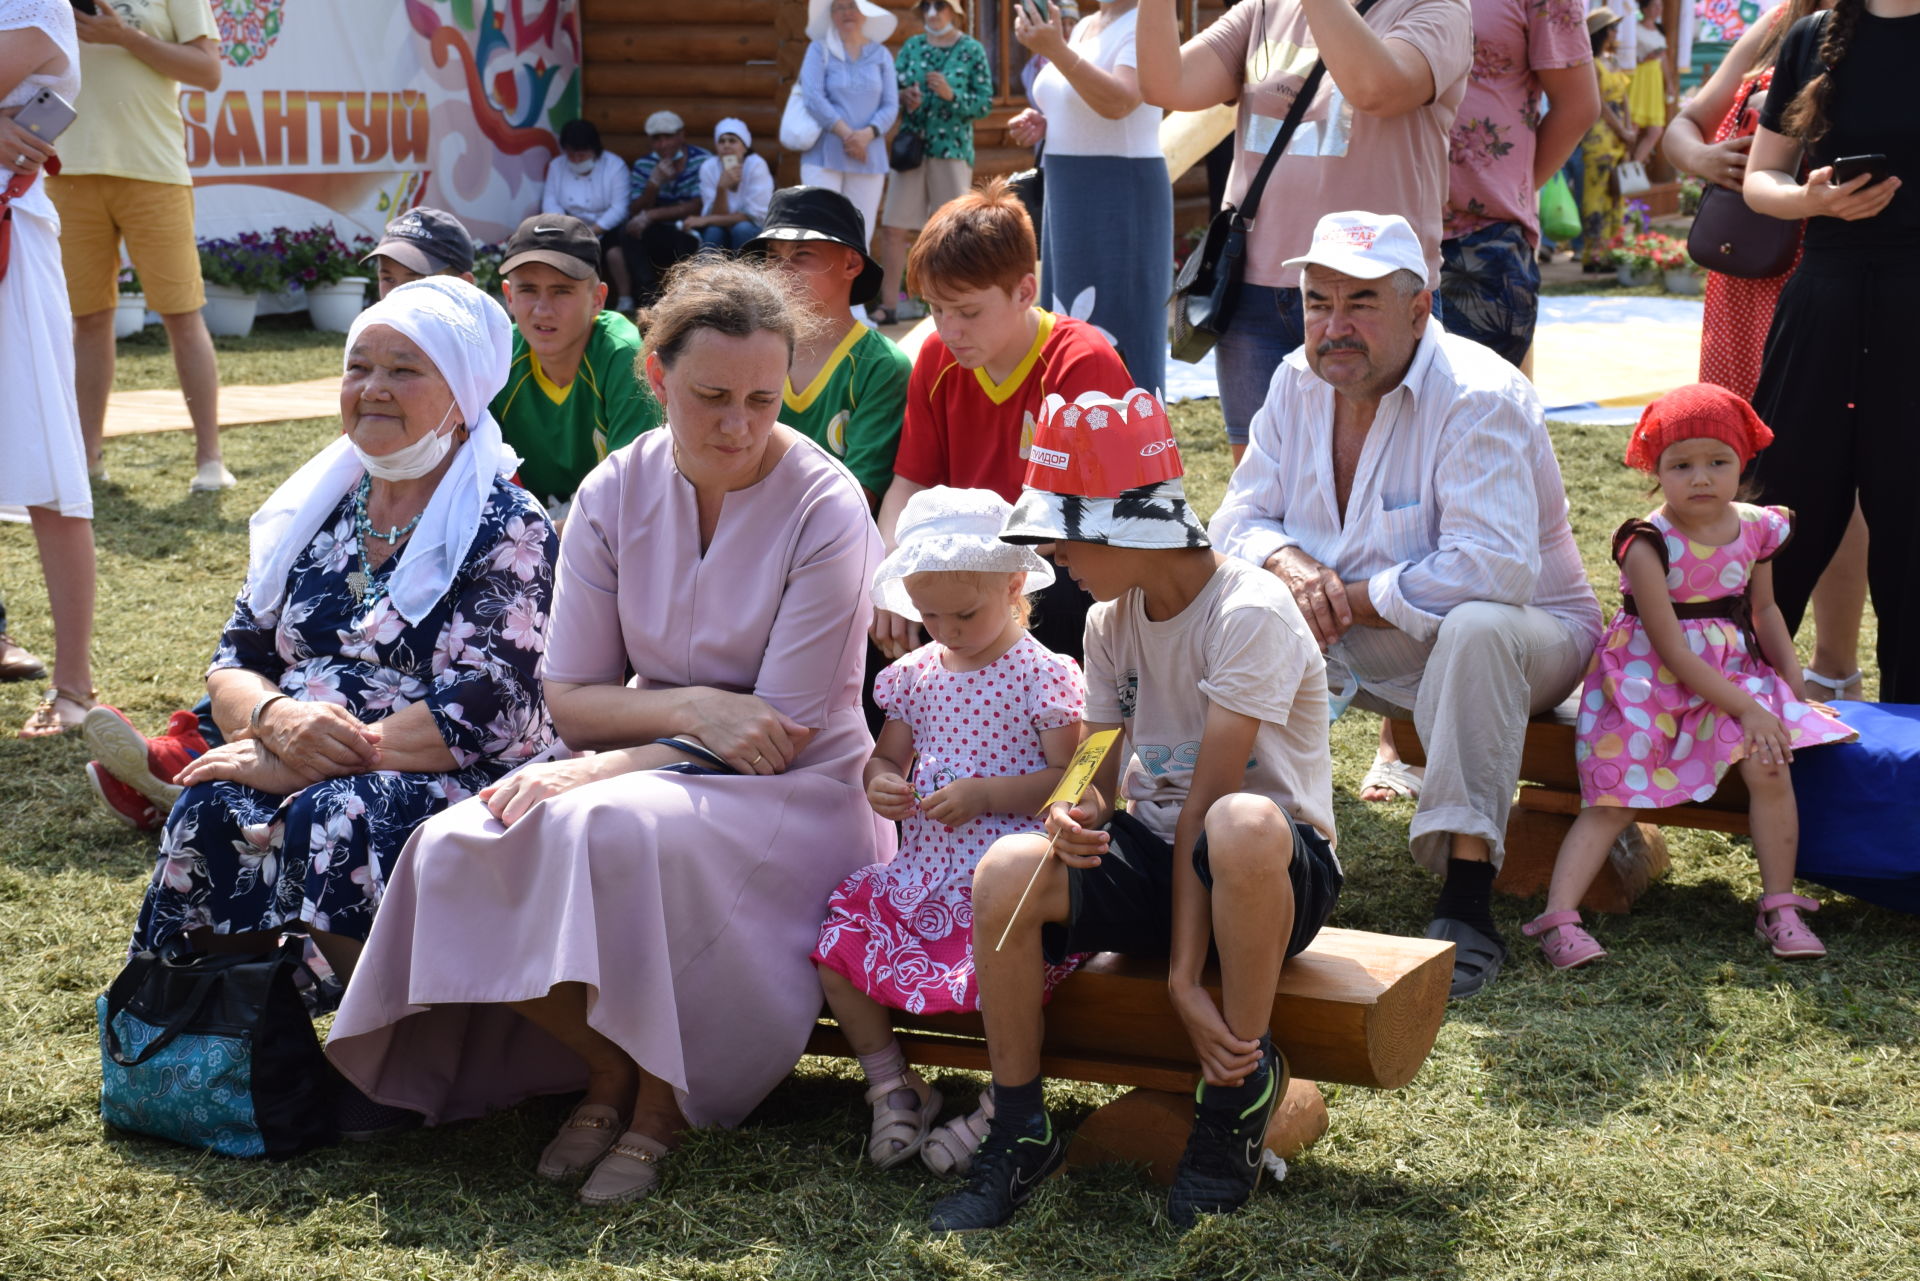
[[46, 460]]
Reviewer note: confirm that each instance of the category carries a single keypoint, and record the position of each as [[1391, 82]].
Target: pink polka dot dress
[[1644, 739], [902, 931]]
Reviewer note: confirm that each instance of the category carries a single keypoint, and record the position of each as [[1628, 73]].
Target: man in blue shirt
[[666, 190]]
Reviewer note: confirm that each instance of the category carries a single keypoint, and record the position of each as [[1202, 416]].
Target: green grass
[[1690, 1109]]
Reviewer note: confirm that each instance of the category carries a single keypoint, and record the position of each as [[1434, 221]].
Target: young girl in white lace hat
[[981, 722]]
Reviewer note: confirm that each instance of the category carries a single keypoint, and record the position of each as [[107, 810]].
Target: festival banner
[[352, 111]]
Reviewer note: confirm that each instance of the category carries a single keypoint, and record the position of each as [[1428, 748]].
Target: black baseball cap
[[428, 241], [818, 213], [568, 245]]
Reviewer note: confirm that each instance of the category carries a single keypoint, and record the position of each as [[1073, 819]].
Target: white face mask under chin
[[940, 30], [409, 462], [582, 167]]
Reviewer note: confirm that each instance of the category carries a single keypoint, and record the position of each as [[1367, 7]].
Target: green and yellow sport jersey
[[562, 433], [855, 404]]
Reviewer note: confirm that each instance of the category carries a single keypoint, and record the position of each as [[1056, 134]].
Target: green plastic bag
[[1559, 212]]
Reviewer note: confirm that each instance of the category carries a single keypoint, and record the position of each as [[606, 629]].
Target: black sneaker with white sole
[[1226, 1147], [1006, 1169]]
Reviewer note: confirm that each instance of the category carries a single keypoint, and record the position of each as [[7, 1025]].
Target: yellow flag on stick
[[1073, 785], [1081, 769]]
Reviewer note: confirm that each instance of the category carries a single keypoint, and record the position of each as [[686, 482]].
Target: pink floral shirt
[[1491, 145]]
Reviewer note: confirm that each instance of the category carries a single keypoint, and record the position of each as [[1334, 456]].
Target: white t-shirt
[[600, 197], [1241, 644], [1074, 128]]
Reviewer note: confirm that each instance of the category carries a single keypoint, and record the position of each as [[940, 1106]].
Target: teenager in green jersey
[[847, 388], [574, 393]]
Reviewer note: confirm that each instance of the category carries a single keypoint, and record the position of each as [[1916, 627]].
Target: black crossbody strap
[[1243, 216]]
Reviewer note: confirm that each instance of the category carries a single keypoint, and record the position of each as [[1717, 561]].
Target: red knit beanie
[[1698, 411]]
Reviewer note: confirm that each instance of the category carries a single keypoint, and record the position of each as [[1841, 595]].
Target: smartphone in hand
[[1847, 168], [46, 115], [87, 7]]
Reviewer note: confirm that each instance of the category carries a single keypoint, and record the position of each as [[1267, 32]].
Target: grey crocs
[[1477, 957]]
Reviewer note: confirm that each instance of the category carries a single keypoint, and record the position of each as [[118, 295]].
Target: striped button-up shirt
[[1457, 497]]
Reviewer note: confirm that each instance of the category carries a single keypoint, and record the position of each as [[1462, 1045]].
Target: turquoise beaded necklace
[[367, 589]]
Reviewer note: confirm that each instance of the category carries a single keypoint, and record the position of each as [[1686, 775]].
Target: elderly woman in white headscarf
[[380, 661], [848, 85]]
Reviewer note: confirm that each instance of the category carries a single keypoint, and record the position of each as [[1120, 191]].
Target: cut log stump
[[1149, 1128], [1533, 843]]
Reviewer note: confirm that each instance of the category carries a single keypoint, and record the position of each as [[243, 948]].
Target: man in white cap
[[666, 192], [1401, 483]]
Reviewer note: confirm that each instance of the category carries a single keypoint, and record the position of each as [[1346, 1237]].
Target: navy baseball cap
[[428, 241]]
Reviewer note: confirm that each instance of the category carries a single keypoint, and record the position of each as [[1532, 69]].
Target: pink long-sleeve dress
[[686, 904]]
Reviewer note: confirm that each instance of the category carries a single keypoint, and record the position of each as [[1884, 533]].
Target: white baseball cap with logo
[[1365, 245]]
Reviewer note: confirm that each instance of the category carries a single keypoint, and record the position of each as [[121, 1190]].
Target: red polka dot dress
[[1644, 739], [1738, 311], [902, 931]]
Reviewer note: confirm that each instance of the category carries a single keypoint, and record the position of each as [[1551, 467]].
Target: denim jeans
[[732, 238], [1267, 326]]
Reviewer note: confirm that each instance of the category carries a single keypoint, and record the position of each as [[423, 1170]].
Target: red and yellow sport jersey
[[965, 430]]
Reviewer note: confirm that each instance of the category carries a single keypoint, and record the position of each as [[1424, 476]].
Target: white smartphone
[[46, 115]]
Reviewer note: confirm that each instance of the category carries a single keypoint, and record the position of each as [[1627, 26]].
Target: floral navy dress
[[240, 859]]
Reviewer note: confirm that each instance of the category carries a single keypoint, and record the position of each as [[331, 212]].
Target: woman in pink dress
[[637, 921]]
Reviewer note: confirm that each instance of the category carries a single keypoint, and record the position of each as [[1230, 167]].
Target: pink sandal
[[1785, 932], [1569, 946]]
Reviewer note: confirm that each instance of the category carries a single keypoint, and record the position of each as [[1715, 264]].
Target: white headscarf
[[469, 340]]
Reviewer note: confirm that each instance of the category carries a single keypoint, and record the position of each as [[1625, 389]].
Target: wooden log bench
[[1354, 1008], [1549, 799]]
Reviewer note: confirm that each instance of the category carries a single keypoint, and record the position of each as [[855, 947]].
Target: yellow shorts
[[97, 212]]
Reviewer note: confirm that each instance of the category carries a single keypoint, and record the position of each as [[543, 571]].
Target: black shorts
[[1126, 904]]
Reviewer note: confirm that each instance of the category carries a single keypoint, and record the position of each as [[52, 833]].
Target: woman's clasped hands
[[744, 730]]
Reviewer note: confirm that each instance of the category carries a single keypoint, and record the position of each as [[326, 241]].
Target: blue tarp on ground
[[1860, 807]]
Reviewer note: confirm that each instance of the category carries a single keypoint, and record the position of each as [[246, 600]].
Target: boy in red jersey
[[978, 386]]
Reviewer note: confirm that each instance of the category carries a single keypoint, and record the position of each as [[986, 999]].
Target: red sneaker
[[147, 765], [125, 804]]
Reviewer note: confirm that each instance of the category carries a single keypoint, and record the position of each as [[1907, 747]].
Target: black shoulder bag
[[1207, 290]]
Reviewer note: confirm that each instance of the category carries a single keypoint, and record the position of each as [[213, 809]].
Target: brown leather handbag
[[1734, 240]]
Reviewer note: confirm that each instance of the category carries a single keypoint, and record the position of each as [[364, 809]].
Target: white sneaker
[[212, 478]]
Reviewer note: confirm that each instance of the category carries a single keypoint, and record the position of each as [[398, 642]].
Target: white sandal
[[1836, 686], [906, 1127], [948, 1151], [1398, 777]]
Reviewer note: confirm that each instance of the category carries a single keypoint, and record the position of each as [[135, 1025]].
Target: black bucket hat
[[817, 213]]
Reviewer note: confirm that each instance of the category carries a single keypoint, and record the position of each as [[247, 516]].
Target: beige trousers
[[1490, 669]]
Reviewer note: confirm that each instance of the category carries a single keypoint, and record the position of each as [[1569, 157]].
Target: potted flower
[[130, 313], [1635, 258], [320, 264], [1679, 273], [236, 272], [486, 267], [1691, 189]]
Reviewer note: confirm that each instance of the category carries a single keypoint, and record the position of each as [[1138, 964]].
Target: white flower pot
[[1683, 280], [1632, 276], [129, 315], [333, 307], [229, 311]]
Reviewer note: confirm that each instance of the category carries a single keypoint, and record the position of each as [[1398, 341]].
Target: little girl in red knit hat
[[1697, 672]]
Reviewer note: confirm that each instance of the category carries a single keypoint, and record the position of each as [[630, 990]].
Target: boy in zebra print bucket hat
[[1207, 668]]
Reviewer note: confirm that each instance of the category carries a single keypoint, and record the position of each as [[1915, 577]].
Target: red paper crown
[[1100, 446]]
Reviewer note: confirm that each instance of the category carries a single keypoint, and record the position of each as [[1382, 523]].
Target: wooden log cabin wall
[[710, 59]]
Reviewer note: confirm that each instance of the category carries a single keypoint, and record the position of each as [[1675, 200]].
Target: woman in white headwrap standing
[[850, 89], [380, 661]]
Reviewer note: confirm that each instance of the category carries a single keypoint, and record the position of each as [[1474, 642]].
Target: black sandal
[[1476, 956]]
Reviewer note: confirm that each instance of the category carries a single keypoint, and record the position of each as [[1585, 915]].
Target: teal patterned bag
[[215, 1052]]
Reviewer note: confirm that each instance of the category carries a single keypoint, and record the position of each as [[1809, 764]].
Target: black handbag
[[1207, 290], [215, 1051], [907, 151]]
